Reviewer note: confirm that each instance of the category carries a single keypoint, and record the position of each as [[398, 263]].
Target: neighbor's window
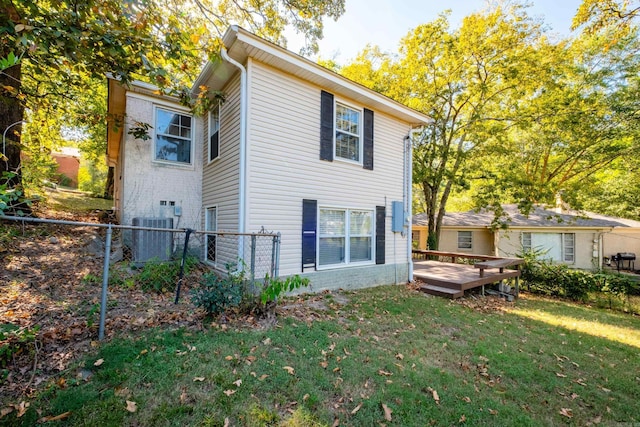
[[173, 136], [465, 239], [345, 236], [211, 225], [558, 247], [348, 144], [214, 133]]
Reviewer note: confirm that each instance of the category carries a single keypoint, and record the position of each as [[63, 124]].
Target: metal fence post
[[105, 282], [276, 247], [253, 257]]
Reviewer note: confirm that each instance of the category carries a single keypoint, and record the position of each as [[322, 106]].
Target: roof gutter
[[242, 192]]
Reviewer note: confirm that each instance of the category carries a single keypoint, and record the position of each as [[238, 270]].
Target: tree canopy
[[516, 117], [53, 53]]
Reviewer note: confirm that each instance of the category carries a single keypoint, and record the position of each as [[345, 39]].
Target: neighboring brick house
[[68, 160], [295, 148]]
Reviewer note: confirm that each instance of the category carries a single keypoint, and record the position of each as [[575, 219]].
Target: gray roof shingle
[[538, 217]]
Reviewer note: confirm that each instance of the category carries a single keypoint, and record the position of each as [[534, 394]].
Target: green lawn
[[75, 201], [388, 351]]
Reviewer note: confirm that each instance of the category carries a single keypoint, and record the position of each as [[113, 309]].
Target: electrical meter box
[[397, 217]]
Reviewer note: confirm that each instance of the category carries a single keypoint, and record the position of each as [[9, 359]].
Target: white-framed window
[[214, 132], [345, 236], [173, 136], [211, 224], [465, 240], [559, 247], [348, 133]]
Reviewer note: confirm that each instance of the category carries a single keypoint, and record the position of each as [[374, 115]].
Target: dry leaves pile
[[42, 289], [42, 268]]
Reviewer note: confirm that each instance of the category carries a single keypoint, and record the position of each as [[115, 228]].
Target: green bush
[[275, 287], [544, 277], [219, 293]]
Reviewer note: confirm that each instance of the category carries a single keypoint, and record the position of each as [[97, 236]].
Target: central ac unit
[[148, 244]]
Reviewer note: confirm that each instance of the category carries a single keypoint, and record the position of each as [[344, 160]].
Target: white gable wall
[[146, 182], [221, 176], [284, 166]]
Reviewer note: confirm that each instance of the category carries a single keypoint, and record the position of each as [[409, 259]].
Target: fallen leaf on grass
[[336, 422], [324, 364], [467, 399], [493, 412], [22, 408], [132, 406], [566, 412], [226, 422], [436, 398], [98, 362], [384, 373], [237, 383], [289, 369], [229, 392], [387, 412], [62, 416], [558, 374], [5, 411], [263, 377], [198, 379], [462, 419], [399, 356], [356, 409], [121, 392]]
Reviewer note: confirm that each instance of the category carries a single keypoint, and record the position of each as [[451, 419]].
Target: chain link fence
[[147, 255]]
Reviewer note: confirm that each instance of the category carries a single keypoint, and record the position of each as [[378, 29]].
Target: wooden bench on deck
[[450, 279]]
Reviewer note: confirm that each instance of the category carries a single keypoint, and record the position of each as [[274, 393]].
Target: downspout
[[407, 195], [242, 192]]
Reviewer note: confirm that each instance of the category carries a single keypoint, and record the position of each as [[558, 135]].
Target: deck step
[[442, 291]]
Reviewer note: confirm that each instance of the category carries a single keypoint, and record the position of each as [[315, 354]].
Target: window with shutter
[[345, 236], [346, 132]]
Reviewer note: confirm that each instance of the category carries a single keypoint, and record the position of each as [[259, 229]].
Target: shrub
[[544, 277], [219, 293], [275, 287]]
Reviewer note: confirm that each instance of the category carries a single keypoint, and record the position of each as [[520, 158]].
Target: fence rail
[[160, 259]]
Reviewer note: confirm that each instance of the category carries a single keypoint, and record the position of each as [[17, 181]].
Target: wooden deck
[[451, 280]]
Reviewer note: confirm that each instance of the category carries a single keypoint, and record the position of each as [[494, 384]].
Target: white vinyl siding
[[559, 247], [284, 130], [465, 240], [220, 180]]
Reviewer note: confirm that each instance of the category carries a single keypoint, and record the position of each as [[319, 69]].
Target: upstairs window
[[173, 136], [346, 133], [348, 138], [214, 133]]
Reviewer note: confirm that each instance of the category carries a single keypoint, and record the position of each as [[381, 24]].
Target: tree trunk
[[11, 116]]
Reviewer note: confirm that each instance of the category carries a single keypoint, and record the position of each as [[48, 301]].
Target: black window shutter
[[326, 126], [309, 225], [381, 213], [367, 148]]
